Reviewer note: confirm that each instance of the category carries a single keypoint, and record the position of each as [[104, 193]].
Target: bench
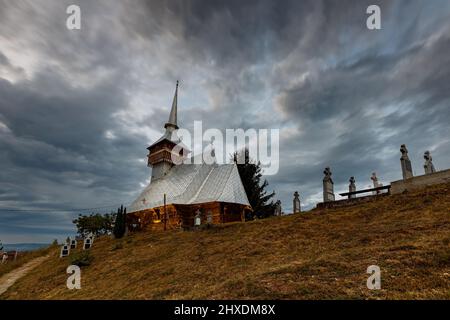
[[377, 189]]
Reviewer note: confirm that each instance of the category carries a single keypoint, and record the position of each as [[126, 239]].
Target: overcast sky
[[79, 107]]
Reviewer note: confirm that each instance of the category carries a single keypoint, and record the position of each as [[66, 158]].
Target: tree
[[120, 223], [251, 177], [97, 224]]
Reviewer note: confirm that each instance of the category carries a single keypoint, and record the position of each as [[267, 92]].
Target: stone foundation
[[349, 202], [419, 182]]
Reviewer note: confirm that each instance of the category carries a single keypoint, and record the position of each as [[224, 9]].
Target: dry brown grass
[[322, 254], [22, 258]]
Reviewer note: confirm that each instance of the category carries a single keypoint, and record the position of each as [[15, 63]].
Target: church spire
[[173, 113]]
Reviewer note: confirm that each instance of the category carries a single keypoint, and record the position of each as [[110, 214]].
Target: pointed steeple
[[173, 112]]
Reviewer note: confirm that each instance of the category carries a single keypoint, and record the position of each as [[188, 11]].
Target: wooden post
[[165, 213]]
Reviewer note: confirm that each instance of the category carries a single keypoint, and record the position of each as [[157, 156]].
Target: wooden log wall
[[182, 216]]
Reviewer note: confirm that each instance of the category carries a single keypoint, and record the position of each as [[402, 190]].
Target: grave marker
[[65, 250], [92, 237], [376, 184], [405, 163], [296, 202], [328, 186], [352, 188], [87, 243], [428, 166], [278, 208]]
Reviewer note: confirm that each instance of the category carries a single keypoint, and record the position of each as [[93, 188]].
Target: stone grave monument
[[376, 184], [87, 243], [65, 250], [277, 208], [73, 243], [352, 188], [428, 166], [405, 163], [92, 237], [296, 203], [328, 186]]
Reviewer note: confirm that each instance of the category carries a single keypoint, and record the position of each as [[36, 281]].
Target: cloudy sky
[[79, 107]]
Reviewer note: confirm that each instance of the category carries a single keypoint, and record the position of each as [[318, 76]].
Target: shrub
[[81, 259], [120, 223], [97, 224]]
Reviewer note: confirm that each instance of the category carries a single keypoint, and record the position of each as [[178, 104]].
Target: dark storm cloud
[[77, 110], [56, 152], [313, 33], [58, 134]]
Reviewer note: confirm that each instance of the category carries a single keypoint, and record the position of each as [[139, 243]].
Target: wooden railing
[[388, 188]]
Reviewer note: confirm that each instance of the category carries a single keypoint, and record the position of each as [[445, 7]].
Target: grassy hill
[[322, 254], [23, 256]]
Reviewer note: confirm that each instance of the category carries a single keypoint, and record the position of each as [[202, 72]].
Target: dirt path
[[10, 278]]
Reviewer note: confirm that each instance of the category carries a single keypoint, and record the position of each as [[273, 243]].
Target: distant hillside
[[24, 246], [322, 254]]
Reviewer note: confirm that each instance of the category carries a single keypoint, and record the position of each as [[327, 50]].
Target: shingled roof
[[191, 184]]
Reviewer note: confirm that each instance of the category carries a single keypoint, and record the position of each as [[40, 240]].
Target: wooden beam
[[388, 187]]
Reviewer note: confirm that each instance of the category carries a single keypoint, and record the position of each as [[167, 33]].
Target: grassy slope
[[318, 255], [22, 258]]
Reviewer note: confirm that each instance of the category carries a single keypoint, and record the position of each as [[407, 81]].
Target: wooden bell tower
[[162, 154]]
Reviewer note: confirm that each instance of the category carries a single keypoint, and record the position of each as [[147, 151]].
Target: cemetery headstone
[[65, 250], [328, 186], [296, 202], [428, 166], [376, 184], [405, 163], [87, 243], [352, 187], [92, 237], [278, 211]]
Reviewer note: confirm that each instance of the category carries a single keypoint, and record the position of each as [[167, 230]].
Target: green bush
[[81, 259], [120, 223], [98, 224]]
